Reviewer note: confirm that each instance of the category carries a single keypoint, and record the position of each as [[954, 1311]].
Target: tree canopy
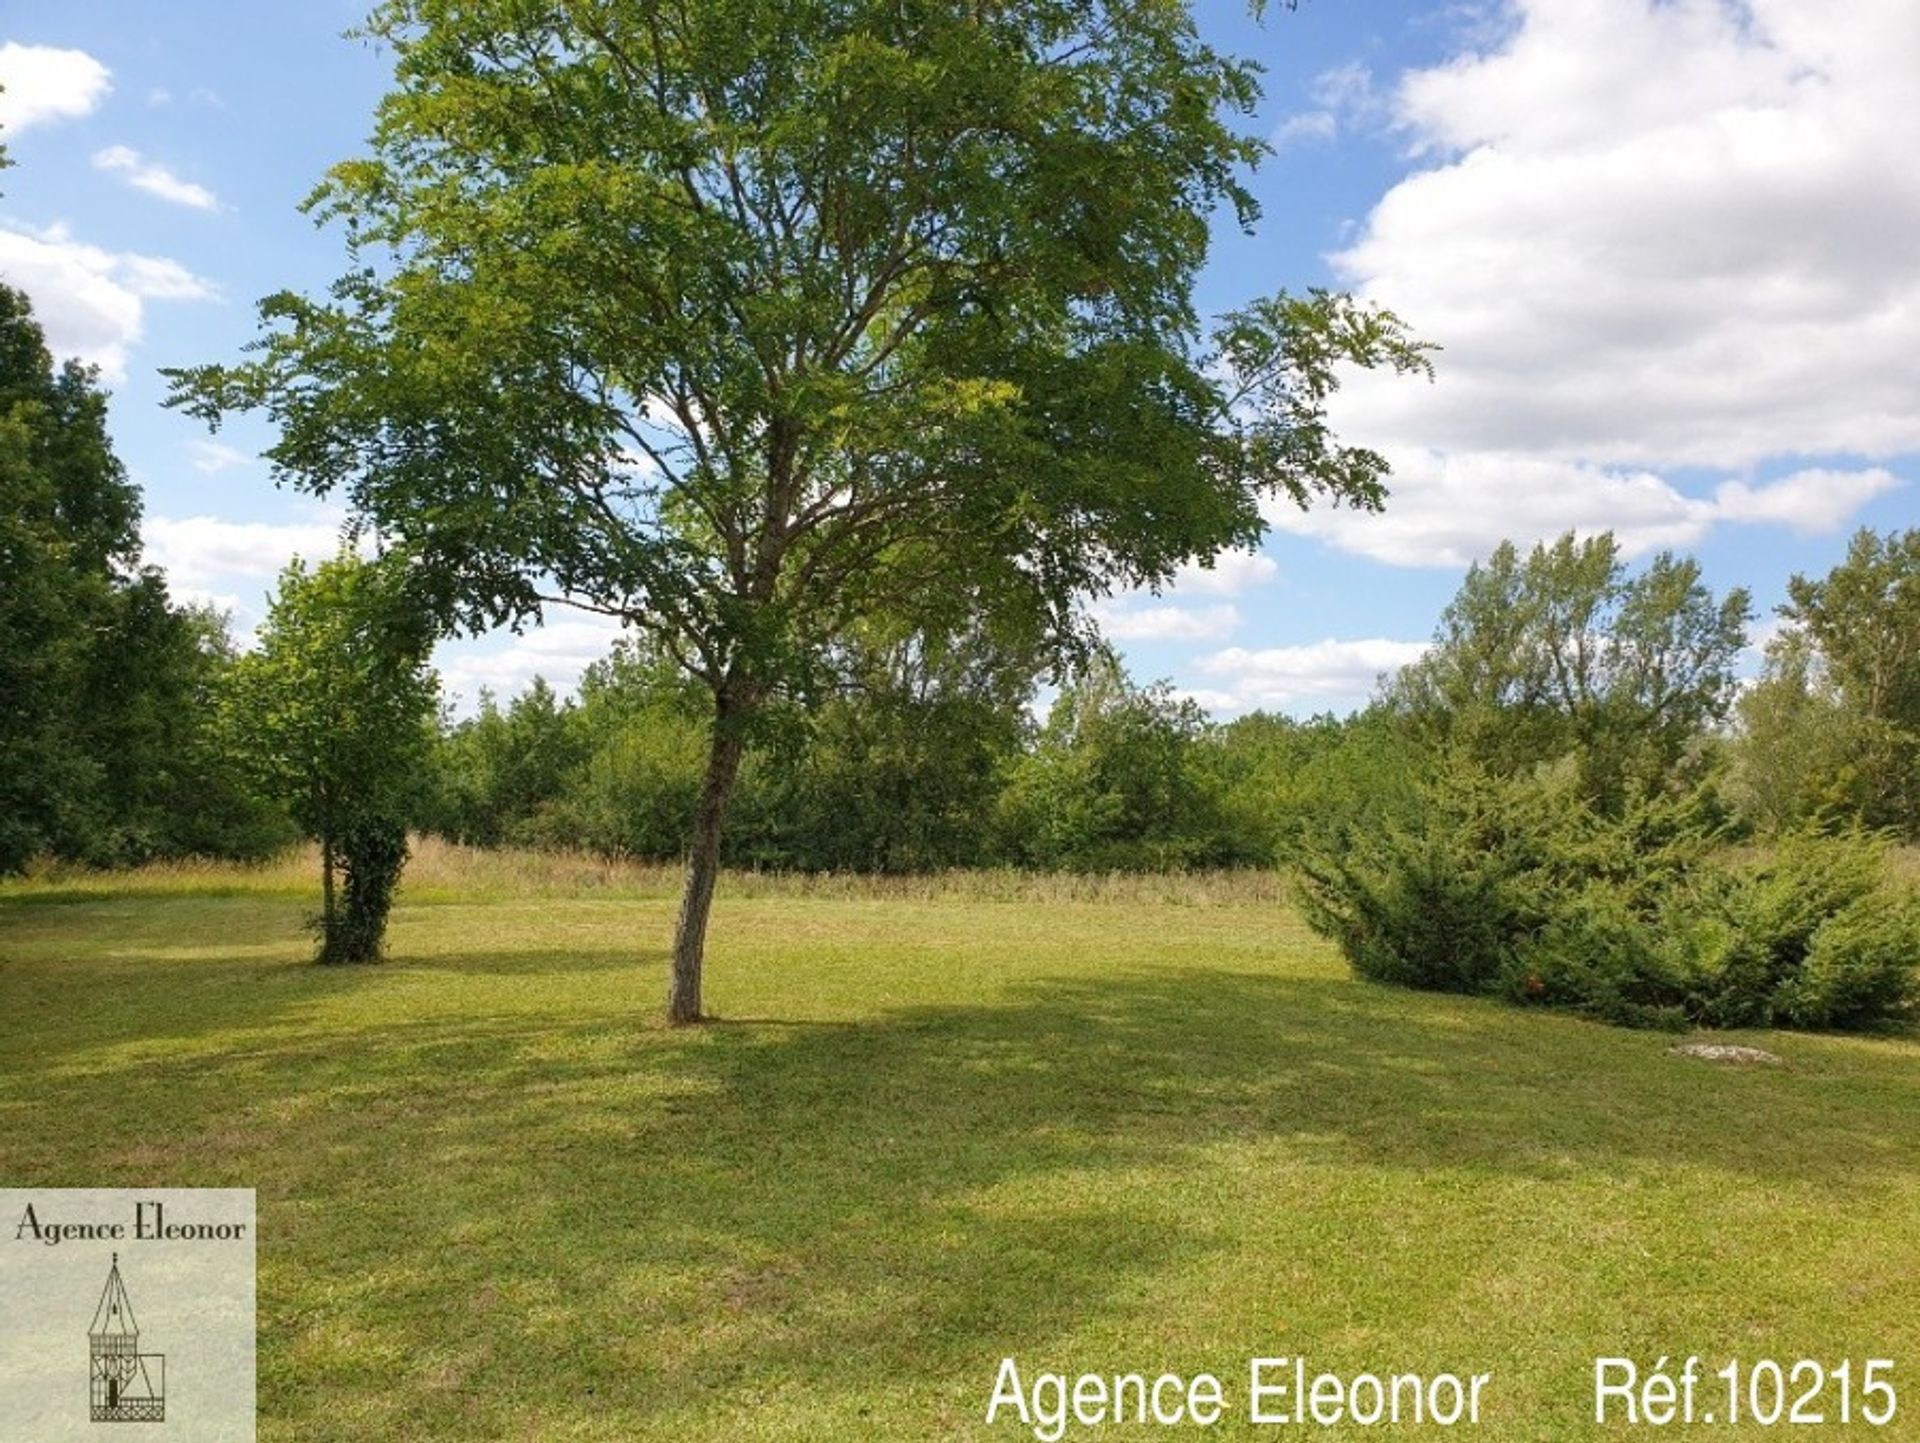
[[743, 322], [334, 712], [1564, 651], [1833, 725], [102, 677]]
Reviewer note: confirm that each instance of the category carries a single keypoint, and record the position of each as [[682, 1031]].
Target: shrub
[[1517, 888], [1440, 899], [1859, 971], [372, 852], [1811, 936]]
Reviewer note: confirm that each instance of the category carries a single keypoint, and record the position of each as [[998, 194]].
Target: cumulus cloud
[[1284, 677], [560, 651], [1649, 236], [232, 564], [1232, 572], [92, 301], [1811, 502], [1166, 623], [43, 83], [1451, 509], [153, 178]]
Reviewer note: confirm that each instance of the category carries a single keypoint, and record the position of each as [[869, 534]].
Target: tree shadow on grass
[[643, 1224]]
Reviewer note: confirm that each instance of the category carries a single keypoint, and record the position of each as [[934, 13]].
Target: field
[[1093, 1126]]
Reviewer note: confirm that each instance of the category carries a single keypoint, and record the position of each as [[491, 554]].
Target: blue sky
[[1668, 249]]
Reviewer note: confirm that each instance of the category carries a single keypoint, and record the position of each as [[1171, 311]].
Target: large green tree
[[105, 751], [68, 534], [334, 713], [745, 321], [1567, 652]]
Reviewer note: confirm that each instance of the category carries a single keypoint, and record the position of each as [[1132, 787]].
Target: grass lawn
[[1092, 1128]]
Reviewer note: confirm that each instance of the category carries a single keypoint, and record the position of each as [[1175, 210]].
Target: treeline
[[132, 728], [930, 758], [109, 747]]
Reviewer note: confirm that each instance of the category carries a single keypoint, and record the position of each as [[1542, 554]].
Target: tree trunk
[[327, 919], [703, 865]]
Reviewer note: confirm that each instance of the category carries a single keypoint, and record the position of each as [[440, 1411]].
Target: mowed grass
[[1093, 1126]]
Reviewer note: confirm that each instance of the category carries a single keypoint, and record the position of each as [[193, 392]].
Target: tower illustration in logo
[[127, 1385]]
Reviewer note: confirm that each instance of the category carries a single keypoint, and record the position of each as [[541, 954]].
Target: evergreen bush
[[1519, 889]]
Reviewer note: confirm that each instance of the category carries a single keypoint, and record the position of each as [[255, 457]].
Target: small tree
[[334, 714]]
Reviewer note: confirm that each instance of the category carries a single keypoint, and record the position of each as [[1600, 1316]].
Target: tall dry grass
[[439, 870], [445, 871]]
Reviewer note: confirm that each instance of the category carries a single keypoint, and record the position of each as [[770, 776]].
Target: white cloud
[[1450, 510], [1286, 676], [43, 83], [1343, 97], [210, 458], [559, 651], [1810, 502], [1166, 623], [1303, 126], [91, 301], [1649, 234], [1659, 234], [1232, 572], [153, 178], [1209, 699], [206, 556]]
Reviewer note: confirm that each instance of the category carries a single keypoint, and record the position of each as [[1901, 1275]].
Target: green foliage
[[1812, 937], [1116, 780], [333, 714], [758, 322], [68, 530], [899, 768], [634, 796], [372, 850], [104, 683], [1280, 779], [1443, 898], [1832, 731], [502, 770], [1796, 757], [1563, 653], [1520, 888], [896, 771]]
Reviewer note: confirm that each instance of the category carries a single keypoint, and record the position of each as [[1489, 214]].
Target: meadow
[[1104, 1124]]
